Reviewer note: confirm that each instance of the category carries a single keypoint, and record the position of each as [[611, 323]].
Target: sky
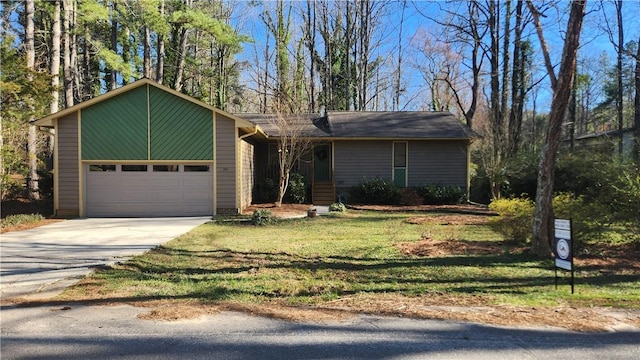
[[594, 39]]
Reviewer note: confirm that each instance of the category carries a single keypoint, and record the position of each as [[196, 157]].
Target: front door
[[322, 163]]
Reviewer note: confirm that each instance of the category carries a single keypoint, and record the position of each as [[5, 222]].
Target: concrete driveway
[[44, 260]]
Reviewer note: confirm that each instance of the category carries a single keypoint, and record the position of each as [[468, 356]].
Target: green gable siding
[[116, 128], [180, 129]]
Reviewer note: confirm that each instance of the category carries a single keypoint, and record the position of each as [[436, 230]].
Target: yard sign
[[563, 248]]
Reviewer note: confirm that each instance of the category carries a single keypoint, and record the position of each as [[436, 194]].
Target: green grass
[[311, 261], [20, 220]]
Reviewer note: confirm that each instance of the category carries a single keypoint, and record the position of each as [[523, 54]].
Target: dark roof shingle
[[371, 125]]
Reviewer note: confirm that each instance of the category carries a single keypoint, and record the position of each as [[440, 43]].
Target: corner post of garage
[[215, 163]]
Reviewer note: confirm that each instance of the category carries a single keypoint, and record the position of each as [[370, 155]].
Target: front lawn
[[395, 263]]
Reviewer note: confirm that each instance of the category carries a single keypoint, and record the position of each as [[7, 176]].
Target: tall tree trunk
[[543, 215], [68, 46], [111, 73], [87, 75], [55, 66], [495, 116], [160, 51], [311, 45], [619, 95], [32, 148], [55, 58], [517, 88], [146, 53], [398, 77], [636, 113], [177, 82]]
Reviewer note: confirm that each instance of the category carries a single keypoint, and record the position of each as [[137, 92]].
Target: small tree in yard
[[292, 144]]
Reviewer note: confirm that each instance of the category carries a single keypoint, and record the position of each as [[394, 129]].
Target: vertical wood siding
[[248, 173], [225, 163], [437, 162], [68, 170]]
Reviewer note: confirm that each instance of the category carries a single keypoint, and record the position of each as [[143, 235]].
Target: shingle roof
[[371, 125]]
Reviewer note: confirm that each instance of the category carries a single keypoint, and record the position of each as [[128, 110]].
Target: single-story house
[[147, 150], [410, 148]]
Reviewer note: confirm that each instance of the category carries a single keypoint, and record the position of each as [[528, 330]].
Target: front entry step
[[324, 193]]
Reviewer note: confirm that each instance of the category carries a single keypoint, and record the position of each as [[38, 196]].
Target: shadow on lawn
[[209, 271]]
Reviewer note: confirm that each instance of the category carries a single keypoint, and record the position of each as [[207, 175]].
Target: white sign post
[[563, 248]]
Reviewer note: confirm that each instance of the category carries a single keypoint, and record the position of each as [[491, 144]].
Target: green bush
[[20, 219], [339, 207], [375, 191], [514, 220], [297, 188], [266, 191], [434, 194], [626, 201], [262, 217]]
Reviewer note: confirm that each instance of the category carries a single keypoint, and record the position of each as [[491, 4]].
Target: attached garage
[[148, 190], [147, 150]]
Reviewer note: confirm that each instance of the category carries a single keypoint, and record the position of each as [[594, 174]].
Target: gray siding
[[358, 160], [248, 173], [68, 171], [225, 163], [437, 162], [429, 161]]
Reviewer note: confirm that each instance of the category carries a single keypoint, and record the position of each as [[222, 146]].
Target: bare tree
[[636, 114], [543, 216], [292, 144]]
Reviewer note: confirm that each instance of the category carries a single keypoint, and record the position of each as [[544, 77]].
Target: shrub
[[514, 220], [410, 196], [266, 191], [375, 191], [297, 188], [339, 207], [20, 219], [627, 200], [262, 217], [434, 194]]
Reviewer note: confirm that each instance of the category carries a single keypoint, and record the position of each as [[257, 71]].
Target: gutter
[[256, 129]]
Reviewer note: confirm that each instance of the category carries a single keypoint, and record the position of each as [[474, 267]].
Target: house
[[410, 148], [147, 150]]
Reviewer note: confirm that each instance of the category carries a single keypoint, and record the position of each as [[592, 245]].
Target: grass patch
[[19, 220], [322, 261]]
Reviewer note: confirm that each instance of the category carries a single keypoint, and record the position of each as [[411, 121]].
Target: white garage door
[[148, 190]]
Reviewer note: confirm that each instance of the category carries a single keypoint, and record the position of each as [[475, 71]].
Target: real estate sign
[[563, 250]]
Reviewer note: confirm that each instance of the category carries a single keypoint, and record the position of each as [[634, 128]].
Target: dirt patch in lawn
[[462, 219], [428, 247], [457, 209]]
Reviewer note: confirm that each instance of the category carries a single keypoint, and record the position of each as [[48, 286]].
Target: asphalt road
[[59, 331]]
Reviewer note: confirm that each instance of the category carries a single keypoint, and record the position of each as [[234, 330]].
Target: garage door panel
[[120, 194]]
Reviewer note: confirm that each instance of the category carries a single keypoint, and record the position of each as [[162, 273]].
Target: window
[[165, 168], [102, 168], [196, 168], [137, 168], [400, 163]]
